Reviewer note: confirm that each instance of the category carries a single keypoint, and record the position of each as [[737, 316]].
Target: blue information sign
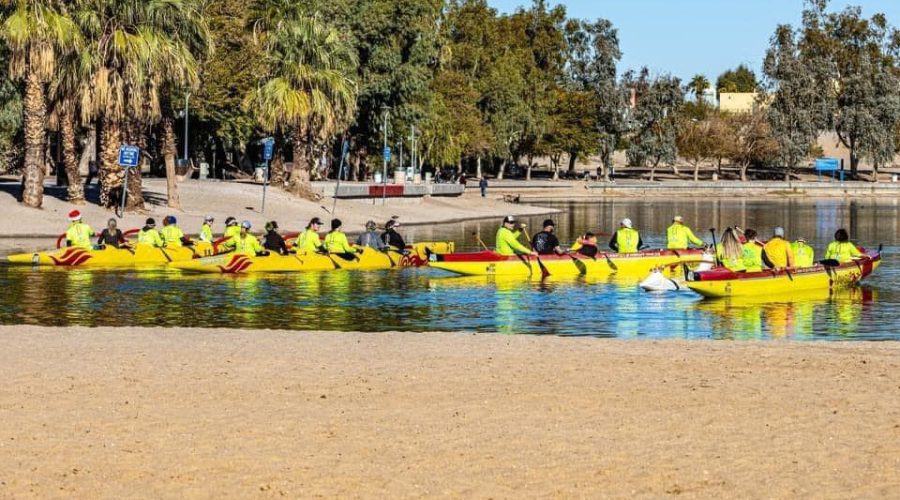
[[387, 154], [129, 156], [268, 149]]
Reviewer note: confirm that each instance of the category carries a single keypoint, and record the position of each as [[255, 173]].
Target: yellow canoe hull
[[111, 258], [573, 265], [772, 285], [369, 259]]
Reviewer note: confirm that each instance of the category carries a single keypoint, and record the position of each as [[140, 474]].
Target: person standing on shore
[[679, 236], [309, 241], [777, 253], [206, 233], [804, 255], [483, 185], [626, 239], [78, 233], [545, 242], [507, 240]]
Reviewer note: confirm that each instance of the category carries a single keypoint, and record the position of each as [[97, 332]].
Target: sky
[[687, 37]]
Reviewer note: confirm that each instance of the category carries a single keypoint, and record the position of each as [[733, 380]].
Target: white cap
[[779, 231], [627, 223], [677, 218]]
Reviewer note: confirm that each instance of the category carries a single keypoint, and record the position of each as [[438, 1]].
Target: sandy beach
[[113, 413]]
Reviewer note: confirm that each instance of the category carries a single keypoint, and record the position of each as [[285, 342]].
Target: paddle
[[478, 237], [612, 265], [712, 230], [544, 272]]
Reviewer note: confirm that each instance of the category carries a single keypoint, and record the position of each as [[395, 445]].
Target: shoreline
[[229, 413]]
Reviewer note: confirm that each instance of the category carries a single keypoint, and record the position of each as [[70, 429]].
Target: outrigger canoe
[[369, 259], [637, 264], [721, 282], [108, 257]]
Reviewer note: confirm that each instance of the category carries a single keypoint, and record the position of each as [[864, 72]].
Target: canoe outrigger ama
[[107, 257], [489, 263], [721, 282]]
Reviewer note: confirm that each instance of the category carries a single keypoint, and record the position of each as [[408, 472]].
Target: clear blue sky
[[686, 37]]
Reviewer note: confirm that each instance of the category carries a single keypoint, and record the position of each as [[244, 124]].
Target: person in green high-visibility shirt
[[232, 228], [626, 239], [308, 241], [78, 234], [804, 255], [336, 242], [752, 251], [206, 233], [149, 235], [841, 250], [679, 236], [245, 243], [507, 240], [171, 233]]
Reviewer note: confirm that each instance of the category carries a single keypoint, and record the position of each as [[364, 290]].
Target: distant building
[[709, 97], [737, 102]]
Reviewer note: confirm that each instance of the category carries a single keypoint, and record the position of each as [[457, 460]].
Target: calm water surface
[[428, 300]]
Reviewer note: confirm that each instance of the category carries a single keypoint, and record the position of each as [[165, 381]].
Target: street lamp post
[[187, 97], [384, 154]]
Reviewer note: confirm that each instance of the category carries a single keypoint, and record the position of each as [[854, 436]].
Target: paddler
[[232, 228], [730, 252], [626, 239], [336, 242], [777, 253], [841, 250], [370, 238], [78, 233], [171, 234], [273, 241], [206, 233], [391, 237], [804, 255], [507, 240], [148, 234], [545, 242], [308, 241], [112, 235], [679, 236], [245, 243], [752, 249], [586, 245]]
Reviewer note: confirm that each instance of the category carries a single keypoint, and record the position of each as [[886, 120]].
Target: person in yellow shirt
[[777, 253], [841, 250], [752, 250], [232, 228], [149, 235], [626, 239], [679, 236], [336, 241], [171, 233], [308, 241], [804, 255], [730, 251], [78, 233], [507, 240], [245, 243], [206, 233]]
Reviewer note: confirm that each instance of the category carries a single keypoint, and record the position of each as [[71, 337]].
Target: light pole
[[384, 153], [187, 98]]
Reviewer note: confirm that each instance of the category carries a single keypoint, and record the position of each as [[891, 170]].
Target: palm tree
[[37, 32], [698, 85], [308, 90], [66, 88], [140, 49]]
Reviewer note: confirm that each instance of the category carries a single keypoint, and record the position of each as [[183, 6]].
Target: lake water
[[429, 300]]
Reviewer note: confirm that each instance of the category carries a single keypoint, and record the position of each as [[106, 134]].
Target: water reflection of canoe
[[772, 284], [369, 259], [107, 257], [493, 264]]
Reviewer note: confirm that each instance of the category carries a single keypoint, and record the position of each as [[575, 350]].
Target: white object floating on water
[[657, 282]]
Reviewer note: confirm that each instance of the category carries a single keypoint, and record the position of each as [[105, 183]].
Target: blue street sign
[[268, 149], [387, 154], [129, 156]]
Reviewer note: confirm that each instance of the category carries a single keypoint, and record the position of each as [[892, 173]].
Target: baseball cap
[[209, 218], [627, 223], [678, 218], [779, 231], [509, 219], [246, 224], [315, 220]]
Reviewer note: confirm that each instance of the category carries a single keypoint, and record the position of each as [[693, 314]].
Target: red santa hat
[[75, 215]]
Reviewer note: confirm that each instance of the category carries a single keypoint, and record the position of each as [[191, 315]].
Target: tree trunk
[[111, 174], [67, 135], [169, 153], [573, 157], [276, 168], [136, 135], [299, 184], [675, 170], [502, 168], [697, 171], [35, 137], [744, 173], [652, 173], [89, 152], [478, 172], [854, 162], [875, 173]]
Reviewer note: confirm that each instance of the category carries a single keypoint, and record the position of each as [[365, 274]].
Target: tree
[[797, 109], [654, 119], [307, 90], [37, 33], [750, 141], [740, 79], [10, 114], [698, 86], [64, 90], [695, 143]]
